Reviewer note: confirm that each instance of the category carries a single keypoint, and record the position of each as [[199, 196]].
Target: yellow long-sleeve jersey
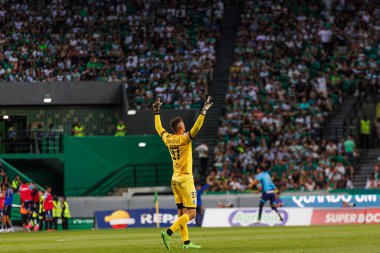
[[180, 146]]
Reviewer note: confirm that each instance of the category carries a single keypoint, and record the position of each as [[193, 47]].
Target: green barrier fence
[[81, 223], [15, 213], [355, 191], [136, 175], [122, 161], [297, 192], [78, 224]]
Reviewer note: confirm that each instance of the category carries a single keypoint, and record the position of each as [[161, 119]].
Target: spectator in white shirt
[[202, 150]]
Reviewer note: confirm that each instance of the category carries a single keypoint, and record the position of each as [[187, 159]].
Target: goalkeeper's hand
[[157, 106], [206, 106]]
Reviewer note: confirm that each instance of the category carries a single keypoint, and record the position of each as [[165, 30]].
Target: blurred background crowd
[[294, 62]]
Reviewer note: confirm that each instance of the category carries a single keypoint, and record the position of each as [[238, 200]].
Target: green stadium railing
[[132, 175], [33, 142], [11, 173]]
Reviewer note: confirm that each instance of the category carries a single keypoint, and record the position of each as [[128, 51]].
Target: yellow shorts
[[184, 191]]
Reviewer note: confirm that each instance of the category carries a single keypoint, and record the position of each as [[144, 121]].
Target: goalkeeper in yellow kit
[[185, 195]]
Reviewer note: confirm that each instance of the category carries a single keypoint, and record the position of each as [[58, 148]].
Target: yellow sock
[[184, 233], [181, 221]]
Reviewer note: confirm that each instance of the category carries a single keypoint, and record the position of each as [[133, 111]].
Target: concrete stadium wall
[[63, 93], [86, 206], [143, 121], [17, 99]]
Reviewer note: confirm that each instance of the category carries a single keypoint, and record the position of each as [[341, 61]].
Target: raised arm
[[157, 123], [198, 124], [157, 119]]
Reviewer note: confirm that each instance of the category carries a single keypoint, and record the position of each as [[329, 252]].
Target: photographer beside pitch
[[185, 195]]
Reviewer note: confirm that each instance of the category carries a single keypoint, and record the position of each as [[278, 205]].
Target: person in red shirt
[[2, 199], [35, 195], [26, 199], [26, 195], [35, 204], [48, 206]]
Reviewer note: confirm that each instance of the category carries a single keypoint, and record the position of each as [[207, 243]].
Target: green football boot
[[191, 246], [165, 238]]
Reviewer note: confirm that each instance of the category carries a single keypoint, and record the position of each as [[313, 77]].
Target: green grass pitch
[[358, 239]]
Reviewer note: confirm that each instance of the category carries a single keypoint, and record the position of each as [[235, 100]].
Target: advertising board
[[345, 216], [244, 217], [121, 219], [360, 200]]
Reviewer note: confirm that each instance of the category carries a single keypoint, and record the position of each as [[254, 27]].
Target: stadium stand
[[157, 47], [373, 180], [295, 61]]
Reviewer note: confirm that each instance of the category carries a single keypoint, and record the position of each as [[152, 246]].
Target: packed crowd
[[39, 210], [294, 61], [300, 165], [156, 47], [179, 62], [373, 182]]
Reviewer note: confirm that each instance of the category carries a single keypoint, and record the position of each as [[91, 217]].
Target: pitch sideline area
[[325, 239]]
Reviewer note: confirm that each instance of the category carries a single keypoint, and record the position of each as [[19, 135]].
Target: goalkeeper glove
[[157, 106], [206, 106]]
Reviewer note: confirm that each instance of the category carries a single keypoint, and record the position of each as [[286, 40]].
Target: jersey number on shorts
[[174, 152], [194, 195]]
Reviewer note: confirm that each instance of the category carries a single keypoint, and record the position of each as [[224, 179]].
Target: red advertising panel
[[372, 216], [345, 216]]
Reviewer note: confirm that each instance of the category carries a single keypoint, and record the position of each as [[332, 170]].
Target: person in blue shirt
[[268, 191], [8, 201], [200, 189]]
